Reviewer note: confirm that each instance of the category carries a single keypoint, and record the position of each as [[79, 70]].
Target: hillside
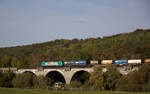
[[122, 46]]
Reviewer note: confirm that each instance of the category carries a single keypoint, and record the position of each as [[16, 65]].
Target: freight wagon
[[147, 61], [135, 61], [106, 62], [123, 61], [52, 64], [95, 62], [75, 63]]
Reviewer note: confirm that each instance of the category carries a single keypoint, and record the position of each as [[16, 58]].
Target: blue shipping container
[[120, 61], [80, 62], [75, 63]]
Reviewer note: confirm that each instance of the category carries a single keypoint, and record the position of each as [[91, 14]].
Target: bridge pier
[[67, 79]]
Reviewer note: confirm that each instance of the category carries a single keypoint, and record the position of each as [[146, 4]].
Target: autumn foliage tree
[[121, 46]]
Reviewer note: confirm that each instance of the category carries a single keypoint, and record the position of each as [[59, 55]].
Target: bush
[[75, 84], [86, 85], [6, 79], [24, 80], [97, 78], [136, 81], [42, 82], [111, 77]]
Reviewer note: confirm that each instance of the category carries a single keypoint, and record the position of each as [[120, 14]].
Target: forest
[[133, 45]]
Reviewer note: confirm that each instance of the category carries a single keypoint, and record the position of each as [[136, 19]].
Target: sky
[[25, 22]]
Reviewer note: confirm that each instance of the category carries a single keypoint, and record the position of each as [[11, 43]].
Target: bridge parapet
[[8, 69]]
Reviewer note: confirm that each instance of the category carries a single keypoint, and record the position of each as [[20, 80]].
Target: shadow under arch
[[29, 72], [55, 76], [81, 76]]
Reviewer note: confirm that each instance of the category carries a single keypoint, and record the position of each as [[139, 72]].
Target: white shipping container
[[135, 61], [147, 61], [106, 62], [93, 62], [51, 63]]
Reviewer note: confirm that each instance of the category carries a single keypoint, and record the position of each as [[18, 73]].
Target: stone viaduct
[[67, 73]]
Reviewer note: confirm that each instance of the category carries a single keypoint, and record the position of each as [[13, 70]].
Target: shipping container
[[138, 61], [123, 61], [106, 62], [94, 62], [147, 61], [75, 63], [69, 63], [80, 62], [51, 63]]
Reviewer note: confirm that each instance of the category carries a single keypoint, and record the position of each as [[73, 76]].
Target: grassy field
[[25, 91]]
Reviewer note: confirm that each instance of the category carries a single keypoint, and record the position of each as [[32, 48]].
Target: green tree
[[97, 78], [111, 77], [42, 82], [24, 80], [6, 79], [136, 81], [15, 62], [6, 61], [75, 84]]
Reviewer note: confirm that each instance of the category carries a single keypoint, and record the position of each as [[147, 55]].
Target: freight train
[[92, 62]]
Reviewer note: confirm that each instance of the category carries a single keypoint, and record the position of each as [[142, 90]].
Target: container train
[[92, 62]]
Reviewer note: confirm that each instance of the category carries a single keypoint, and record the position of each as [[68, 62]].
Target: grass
[[34, 91]]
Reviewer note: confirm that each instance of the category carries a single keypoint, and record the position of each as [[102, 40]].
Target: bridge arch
[[81, 75], [56, 76], [29, 72]]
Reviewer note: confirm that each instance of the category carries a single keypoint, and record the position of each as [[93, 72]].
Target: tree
[[111, 77], [97, 78], [6, 61], [15, 62], [75, 84], [126, 45], [6, 79], [42, 82], [24, 80], [136, 80]]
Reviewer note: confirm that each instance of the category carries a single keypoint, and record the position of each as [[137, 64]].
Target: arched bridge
[[65, 74]]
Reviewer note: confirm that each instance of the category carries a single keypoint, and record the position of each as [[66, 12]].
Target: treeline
[[134, 45], [138, 80], [26, 80]]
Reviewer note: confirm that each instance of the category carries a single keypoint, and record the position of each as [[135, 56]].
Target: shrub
[[136, 81], [75, 84], [111, 77], [97, 78], [6, 79], [24, 80], [42, 82]]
